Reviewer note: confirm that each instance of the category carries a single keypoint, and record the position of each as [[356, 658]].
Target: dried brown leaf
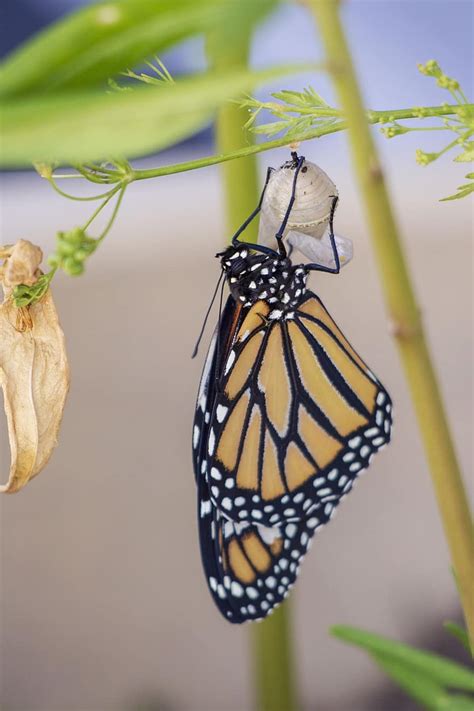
[[34, 376]]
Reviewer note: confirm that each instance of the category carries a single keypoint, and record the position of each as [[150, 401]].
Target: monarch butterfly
[[287, 416]]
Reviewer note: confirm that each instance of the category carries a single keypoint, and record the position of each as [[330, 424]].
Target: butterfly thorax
[[256, 277]]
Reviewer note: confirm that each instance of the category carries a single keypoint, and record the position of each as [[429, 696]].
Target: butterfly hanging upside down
[[288, 415]]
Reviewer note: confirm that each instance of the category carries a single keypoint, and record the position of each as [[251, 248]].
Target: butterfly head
[[253, 276]]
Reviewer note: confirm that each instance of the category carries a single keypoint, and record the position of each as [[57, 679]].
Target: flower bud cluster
[[72, 249]]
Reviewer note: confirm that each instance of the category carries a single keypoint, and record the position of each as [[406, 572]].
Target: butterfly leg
[[321, 267]]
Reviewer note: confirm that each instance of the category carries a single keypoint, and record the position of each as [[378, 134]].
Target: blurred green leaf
[[463, 191], [270, 129], [418, 686], [422, 688], [99, 41], [95, 43], [431, 665], [458, 632], [88, 126]]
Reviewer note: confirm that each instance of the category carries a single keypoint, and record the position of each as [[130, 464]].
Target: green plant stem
[[403, 309], [101, 207], [374, 117], [249, 150], [271, 656], [274, 670]]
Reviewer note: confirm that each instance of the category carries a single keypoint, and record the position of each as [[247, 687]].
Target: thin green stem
[[403, 309], [114, 214], [88, 198], [448, 147], [271, 658], [409, 129], [90, 174], [249, 150], [101, 207], [373, 116], [413, 113]]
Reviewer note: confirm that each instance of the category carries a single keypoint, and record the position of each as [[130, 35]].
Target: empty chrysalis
[[307, 228]]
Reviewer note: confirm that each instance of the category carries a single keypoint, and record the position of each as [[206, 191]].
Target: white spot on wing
[[269, 534], [221, 412], [212, 442], [236, 589], [230, 362], [205, 508]]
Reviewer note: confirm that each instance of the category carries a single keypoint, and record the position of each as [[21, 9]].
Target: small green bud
[[65, 249], [81, 254], [75, 236], [72, 267], [423, 158], [396, 130], [430, 69]]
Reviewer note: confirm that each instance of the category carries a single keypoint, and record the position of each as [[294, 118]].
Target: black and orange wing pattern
[[250, 568], [297, 416]]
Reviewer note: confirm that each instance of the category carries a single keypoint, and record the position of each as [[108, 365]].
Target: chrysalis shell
[[307, 227]]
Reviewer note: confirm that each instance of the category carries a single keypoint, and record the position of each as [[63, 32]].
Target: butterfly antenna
[[201, 333]]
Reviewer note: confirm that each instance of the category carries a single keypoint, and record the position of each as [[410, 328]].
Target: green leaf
[[422, 688], [463, 191], [304, 99], [97, 42], [434, 666], [270, 129], [459, 632], [91, 126]]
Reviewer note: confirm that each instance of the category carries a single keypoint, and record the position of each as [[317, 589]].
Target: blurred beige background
[[104, 605]]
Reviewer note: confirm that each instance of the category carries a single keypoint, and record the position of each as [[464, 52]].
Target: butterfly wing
[[296, 417], [220, 342], [249, 568]]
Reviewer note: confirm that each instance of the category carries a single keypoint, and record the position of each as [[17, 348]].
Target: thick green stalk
[[403, 309], [274, 669], [271, 657]]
